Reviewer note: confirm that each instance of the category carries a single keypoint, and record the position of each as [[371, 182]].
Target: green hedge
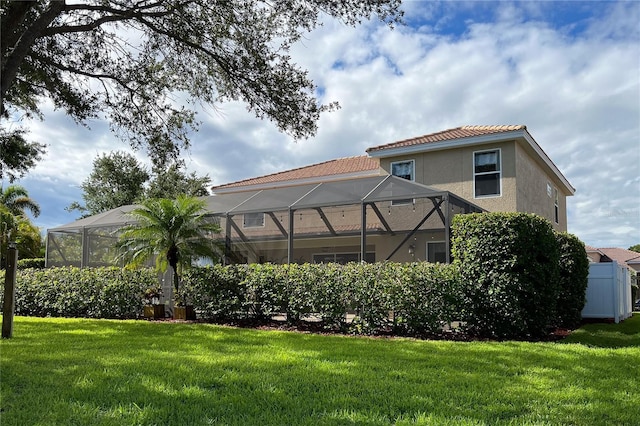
[[406, 298], [574, 273], [73, 292], [37, 263], [510, 273]]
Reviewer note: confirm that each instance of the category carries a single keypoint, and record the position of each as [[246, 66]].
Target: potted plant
[[153, 308], [182, 310]]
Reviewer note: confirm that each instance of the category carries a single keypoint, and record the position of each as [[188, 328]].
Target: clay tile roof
[[339, 166], [451, 134], [620, 255]]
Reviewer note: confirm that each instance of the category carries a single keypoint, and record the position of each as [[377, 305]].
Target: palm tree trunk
[[172, 258]]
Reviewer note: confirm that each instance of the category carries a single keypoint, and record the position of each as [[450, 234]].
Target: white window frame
[[413, 179], [499, 172], [556, 205], [433, 242], [244, 220]]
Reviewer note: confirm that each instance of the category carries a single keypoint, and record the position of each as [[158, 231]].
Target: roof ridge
[[495, 127], [460, 132]]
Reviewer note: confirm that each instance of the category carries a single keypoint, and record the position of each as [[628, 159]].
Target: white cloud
[[576, 87]]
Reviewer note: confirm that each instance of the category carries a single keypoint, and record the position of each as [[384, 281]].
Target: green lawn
[[100, 372]]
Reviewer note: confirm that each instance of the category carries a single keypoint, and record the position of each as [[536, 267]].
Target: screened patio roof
[[325, 194]]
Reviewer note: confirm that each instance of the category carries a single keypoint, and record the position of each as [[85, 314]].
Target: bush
[[422, 297], [266, 286], [574, 273], [426, 297], [36, 263], [74, 292], [217, 292], [509, 271]]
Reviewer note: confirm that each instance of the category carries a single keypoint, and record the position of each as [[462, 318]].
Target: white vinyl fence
[[608, 292]]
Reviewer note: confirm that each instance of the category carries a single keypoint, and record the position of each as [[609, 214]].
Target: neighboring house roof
[[341, 168], [622, 256], [625, 257], [468, 136]]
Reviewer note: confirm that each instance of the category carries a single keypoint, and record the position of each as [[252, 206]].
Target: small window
[[436, 252], [556, 205], [487, 173], [404, 170], [253, 220], [549, 190]]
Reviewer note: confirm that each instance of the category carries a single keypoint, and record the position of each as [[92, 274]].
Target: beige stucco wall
[[452, 170], [532, 194], [524, 180]]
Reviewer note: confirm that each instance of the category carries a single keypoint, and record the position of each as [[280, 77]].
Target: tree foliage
[[17, 201], [174, 181], [175, 232], [635, 248], [144, 64], [117, 179], [17, 155], [15, 224]]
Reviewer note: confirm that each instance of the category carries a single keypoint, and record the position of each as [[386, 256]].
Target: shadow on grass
[[608, 335], [132, 372]]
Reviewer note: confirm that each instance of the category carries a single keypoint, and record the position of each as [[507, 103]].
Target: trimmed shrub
[[36, 263], [301, 288], [74, 292], [425, 296], [217, 292], [574, 274], [417, 298], [266, 286], [369, 293], [509, 271]]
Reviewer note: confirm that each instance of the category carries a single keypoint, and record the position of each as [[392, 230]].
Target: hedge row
[[412, 299], [512, 277], [74, 292], [37, 263]]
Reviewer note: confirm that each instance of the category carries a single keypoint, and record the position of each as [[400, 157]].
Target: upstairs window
[[253, 220], [404, 170], [556, 205], [487, 173]]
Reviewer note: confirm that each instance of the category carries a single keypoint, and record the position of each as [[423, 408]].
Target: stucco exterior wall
[[452, 170], [536, 191]]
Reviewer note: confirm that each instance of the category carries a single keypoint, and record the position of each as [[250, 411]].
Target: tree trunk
[[172, 259], [11, 63]]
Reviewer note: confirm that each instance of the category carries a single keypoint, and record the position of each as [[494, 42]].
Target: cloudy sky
[[570, 71]]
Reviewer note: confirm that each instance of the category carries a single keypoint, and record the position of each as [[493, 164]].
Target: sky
[[569, 71]]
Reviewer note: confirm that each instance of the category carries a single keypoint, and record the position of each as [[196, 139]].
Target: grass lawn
[[101, 372]]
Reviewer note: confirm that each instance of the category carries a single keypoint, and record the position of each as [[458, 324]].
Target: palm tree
[[176, 232], [16, 200]]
